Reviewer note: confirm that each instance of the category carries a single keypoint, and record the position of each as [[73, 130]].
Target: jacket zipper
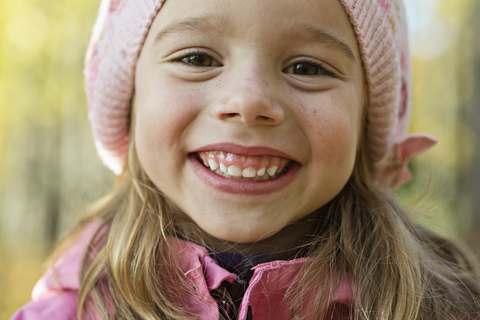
[[229, 296], [249, 313]]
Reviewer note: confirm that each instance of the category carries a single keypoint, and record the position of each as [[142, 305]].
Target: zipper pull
[[249, 313], [224, 301]]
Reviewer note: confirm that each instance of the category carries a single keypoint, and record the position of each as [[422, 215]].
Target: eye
[[305, 69], [198, 59], [308, 68]]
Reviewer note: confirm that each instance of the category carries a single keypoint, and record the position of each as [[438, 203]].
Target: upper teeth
[[213, 165], [223, 168], [261, 172], [249, 172], [271, 171], [235, 171]]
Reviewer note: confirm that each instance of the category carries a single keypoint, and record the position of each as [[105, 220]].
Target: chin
[[242, 227]]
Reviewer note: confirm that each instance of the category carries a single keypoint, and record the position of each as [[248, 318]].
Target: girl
[[257, 142]]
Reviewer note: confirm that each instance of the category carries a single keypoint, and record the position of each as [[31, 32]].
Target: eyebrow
[[210, 23], [310, 33], [207, 23]]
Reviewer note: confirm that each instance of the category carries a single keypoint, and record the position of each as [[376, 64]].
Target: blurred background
[[49, 169]]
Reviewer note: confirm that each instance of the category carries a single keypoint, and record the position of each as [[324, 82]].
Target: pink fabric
[[380, 26], [118, 37], [381, 29], [55, 295], [395, 171]]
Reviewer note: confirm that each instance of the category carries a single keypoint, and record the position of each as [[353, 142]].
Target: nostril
[[226, 116], [249, 112]]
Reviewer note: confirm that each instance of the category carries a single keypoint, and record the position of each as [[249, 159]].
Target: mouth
[[234, 169], [246, 168]]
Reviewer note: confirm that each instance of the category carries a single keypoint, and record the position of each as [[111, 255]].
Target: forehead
[[285, 20]]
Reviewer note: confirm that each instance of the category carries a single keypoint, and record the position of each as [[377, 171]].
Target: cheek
[[334, 143], [162, 118], [331, 125], [165, 112]]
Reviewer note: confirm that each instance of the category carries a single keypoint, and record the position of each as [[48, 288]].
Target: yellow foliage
[[42, 46], [443, 87], [20, 269]]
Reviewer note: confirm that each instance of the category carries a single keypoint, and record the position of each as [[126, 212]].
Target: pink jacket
[[55, 295]]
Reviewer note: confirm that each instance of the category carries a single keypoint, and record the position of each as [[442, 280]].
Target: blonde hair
[[399, 270]]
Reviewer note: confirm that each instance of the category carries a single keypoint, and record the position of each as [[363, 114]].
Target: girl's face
[[256, 88]]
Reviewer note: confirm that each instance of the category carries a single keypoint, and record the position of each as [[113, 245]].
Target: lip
[[244, 187]]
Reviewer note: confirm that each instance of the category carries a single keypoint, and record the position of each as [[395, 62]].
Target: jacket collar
[[264, 295]]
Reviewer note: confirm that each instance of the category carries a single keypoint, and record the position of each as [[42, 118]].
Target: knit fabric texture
[[380, 27]]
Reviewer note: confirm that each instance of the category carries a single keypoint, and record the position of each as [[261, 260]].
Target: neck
[[286, 242]]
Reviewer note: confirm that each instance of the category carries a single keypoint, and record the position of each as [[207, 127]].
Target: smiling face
[[248, 114]]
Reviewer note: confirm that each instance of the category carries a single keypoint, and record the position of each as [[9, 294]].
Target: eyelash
[[189, 53], [319, 65]]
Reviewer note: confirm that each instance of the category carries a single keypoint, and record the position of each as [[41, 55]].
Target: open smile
[[249, 172], [252, 168]]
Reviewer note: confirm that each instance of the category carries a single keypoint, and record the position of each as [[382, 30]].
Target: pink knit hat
[[380, 26]]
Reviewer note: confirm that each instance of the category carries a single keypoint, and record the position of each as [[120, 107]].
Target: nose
[[249, 100]]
